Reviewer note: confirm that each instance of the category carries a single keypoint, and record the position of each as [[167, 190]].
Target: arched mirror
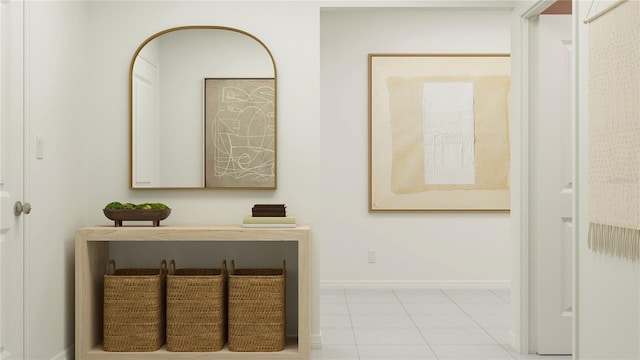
[[203, 111]]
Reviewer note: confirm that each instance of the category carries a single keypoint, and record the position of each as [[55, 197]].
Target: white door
[[11, 181], [552, 185]]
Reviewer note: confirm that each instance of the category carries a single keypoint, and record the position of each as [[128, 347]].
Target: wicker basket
[[134, 308], [196, 309], [257, 309]]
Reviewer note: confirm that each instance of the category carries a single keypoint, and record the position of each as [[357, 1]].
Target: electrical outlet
[[372, 257]]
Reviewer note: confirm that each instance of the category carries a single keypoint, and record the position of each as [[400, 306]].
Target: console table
[[92, 255]]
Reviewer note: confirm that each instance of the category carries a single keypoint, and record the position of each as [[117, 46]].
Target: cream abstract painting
[[439, 132]]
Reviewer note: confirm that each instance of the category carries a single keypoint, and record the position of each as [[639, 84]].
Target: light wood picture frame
[[439, 132]]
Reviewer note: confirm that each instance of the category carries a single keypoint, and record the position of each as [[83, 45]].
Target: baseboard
[[65, 354], [316, 341], [512, 341], [415, 284]]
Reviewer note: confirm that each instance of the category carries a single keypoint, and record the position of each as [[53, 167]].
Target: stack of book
[[269, 215], [269, 210]]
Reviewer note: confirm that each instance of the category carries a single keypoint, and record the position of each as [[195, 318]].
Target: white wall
[[290, 31], [57, 76], [78, 101], [608, 289], [421, 249], [117, 28], [80, 54]]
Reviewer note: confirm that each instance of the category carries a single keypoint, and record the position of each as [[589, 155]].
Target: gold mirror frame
[[131, 108]]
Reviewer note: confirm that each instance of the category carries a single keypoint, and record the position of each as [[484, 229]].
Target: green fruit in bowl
[[129, 206], [114, 206]]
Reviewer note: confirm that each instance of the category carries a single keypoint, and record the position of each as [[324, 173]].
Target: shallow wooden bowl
[[120, 215]]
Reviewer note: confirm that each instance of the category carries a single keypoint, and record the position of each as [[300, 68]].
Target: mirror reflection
[[168, 102]]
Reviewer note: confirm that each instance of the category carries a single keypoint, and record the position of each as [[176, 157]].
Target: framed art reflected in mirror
[[240, 133]]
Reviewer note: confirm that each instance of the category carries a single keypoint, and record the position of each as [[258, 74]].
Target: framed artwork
[[439, 132], [240, 133]]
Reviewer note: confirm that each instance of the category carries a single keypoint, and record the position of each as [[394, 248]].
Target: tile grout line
[[414, 324], [480, 326], [500, 297], [353, 329], [509, 303]]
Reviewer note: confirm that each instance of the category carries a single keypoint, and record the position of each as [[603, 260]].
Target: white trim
[[26, 192], [415, 284], [496, 4], [521, 305], [576, 173], [316, 341], [519, 184], [535, 8], [511, 339], [519, 333], [66, 354]]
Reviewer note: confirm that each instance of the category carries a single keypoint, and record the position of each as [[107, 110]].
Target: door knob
[[18, 208]]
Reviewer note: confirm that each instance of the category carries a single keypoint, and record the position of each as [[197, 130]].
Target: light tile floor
[[416, 324]]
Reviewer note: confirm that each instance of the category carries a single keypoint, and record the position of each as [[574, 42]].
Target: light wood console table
[[92, 255]]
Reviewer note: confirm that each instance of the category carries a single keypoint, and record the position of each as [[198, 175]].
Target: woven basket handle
[[111, 262], [284, 266], [233, 268], [163, 266], [172, 267], [223, 267]]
